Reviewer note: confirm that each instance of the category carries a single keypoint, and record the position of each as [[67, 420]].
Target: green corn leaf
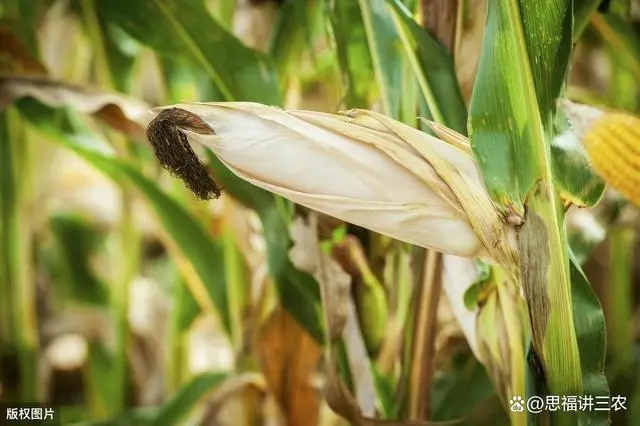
[[385, 53], [591, 334], [582, 12], [521, 74], [193, 240], [179, 28], [293, 33], [179, 79], [385, 393], [114, 51], [353, 53], [76, 241], [573, 176], [466, 377], [9, 190], [225, 12], [19, 328], [178, 406], [97, 373], [171, 412], [433, 67]]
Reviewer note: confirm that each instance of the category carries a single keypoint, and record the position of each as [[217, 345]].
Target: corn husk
[[359, 166]]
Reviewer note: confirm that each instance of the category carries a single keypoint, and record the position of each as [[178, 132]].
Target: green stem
[[509, 303], [623, 89], [18, 278], [128, 239], [176, 345], [129, 259], [547, 286], [235, 286], [619, 298], [543, 245]]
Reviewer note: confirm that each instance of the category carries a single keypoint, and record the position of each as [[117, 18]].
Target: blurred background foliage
[[124, 300]]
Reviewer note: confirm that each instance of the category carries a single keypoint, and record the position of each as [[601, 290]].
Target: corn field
[[320, 212]]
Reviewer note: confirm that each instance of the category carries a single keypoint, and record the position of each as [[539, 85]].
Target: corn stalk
[[17, 273], [524, 62]]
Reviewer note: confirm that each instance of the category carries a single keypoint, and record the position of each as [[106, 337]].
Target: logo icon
[[517, 404]]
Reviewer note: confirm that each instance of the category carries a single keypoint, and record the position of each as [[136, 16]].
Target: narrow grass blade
[[619, 295], [100, 390], [19, 330]]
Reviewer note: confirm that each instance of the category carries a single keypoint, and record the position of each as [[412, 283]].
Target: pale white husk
[[363, 168]]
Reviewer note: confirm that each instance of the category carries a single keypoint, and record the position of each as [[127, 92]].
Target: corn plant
[[385, 211]]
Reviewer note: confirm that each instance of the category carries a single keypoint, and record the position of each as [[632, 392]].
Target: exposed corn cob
[[613, 145]]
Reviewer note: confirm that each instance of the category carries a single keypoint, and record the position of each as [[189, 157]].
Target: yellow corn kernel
[[613, 145]]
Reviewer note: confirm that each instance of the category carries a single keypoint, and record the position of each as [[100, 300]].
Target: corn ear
[[359, 166], [613, 145]]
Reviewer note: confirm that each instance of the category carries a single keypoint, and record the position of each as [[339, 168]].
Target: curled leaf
[[121, 112]]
